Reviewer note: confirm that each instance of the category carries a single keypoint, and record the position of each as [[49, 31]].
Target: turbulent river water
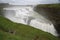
[[26, 15]]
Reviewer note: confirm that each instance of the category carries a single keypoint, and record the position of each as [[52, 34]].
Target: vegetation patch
[[14, 31]]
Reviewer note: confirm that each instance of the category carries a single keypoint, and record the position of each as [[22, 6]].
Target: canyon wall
[[50, 12]]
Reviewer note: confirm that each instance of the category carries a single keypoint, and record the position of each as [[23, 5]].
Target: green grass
[[21, 32], [49, 5]]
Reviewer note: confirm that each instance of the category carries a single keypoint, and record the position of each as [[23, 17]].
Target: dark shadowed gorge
[[50, 12]]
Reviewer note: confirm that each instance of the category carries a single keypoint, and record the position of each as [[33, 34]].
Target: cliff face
[[51, 12]]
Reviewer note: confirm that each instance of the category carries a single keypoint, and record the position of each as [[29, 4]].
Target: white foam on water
[[22, 15]]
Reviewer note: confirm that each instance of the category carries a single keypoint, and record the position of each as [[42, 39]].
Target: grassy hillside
[[49, 5], [14, 31]]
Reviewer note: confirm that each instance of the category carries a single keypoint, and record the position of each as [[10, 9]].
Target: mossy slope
[[13, 31]]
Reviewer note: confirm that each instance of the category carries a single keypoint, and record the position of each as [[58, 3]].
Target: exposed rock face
[[50, 12]]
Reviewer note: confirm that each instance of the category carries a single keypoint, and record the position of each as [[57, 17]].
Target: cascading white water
[[26, 15]]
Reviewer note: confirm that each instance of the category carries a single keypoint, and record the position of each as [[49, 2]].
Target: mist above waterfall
[[29, 2]]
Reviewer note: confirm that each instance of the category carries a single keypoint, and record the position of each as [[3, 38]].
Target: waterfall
[[26, 15]]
